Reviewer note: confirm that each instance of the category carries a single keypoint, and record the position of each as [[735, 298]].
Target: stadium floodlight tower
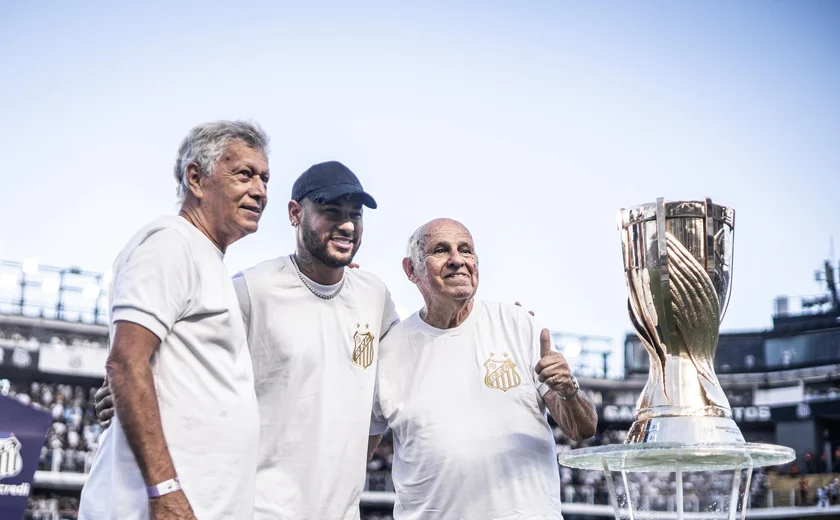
[[678, 269]]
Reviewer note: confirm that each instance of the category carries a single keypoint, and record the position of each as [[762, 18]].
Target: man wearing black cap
[[313, 329], [326, 207]]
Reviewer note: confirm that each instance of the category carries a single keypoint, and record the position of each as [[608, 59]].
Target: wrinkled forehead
[[238, 151], [448, 231]]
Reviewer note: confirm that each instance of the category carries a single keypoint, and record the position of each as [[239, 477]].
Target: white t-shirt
[[314, 370], [471, 437], [172, 280]]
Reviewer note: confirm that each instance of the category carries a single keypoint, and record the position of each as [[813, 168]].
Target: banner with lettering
[[626, 414], [22, 433]]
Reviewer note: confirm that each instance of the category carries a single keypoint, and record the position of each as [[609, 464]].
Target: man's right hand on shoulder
[[103, 404], [173, 506]]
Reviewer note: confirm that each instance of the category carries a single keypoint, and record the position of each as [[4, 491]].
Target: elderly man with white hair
[[183, 443], [464, 385]]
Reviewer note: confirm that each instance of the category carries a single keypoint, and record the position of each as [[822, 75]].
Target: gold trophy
[[678, 267]]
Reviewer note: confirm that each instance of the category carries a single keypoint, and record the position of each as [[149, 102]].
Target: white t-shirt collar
[[466, 325], [326, 290], [206, 240]]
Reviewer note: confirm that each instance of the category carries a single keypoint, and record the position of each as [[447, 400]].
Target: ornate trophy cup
[[678, 267]]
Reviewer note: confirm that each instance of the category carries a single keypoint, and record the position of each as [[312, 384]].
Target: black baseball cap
[[328, 181]]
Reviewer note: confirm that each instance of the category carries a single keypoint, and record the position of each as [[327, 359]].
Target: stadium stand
[[783, 385]]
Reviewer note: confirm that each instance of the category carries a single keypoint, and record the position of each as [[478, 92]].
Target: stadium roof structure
[[69, 294]]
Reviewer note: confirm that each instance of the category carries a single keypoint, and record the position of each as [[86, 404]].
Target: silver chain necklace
[[313, 291]]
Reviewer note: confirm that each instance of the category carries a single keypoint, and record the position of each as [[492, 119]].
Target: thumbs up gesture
[[552, 368]]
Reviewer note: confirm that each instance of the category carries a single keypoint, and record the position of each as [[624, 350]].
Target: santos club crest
[[363, 347], [11, 463], [501, 373]]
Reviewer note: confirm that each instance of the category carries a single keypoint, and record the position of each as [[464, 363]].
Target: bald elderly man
[[464, 385]]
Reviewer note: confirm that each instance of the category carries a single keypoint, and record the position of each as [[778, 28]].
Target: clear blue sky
[[531, 122]]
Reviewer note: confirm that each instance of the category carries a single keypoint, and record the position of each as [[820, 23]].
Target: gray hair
[[206, 143], [416, 249]]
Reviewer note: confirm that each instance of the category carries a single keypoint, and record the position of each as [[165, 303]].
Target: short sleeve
[[378, 423], [152, 286], [389, 315], [244, 297]]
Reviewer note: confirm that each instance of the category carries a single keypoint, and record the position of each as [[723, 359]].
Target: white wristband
[[164, 488]]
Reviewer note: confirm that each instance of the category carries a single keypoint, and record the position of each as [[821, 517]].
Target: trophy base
[[673, 456], [619, 460], [685, 429]]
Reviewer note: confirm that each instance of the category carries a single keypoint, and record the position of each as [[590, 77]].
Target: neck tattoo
[[311, 289]]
